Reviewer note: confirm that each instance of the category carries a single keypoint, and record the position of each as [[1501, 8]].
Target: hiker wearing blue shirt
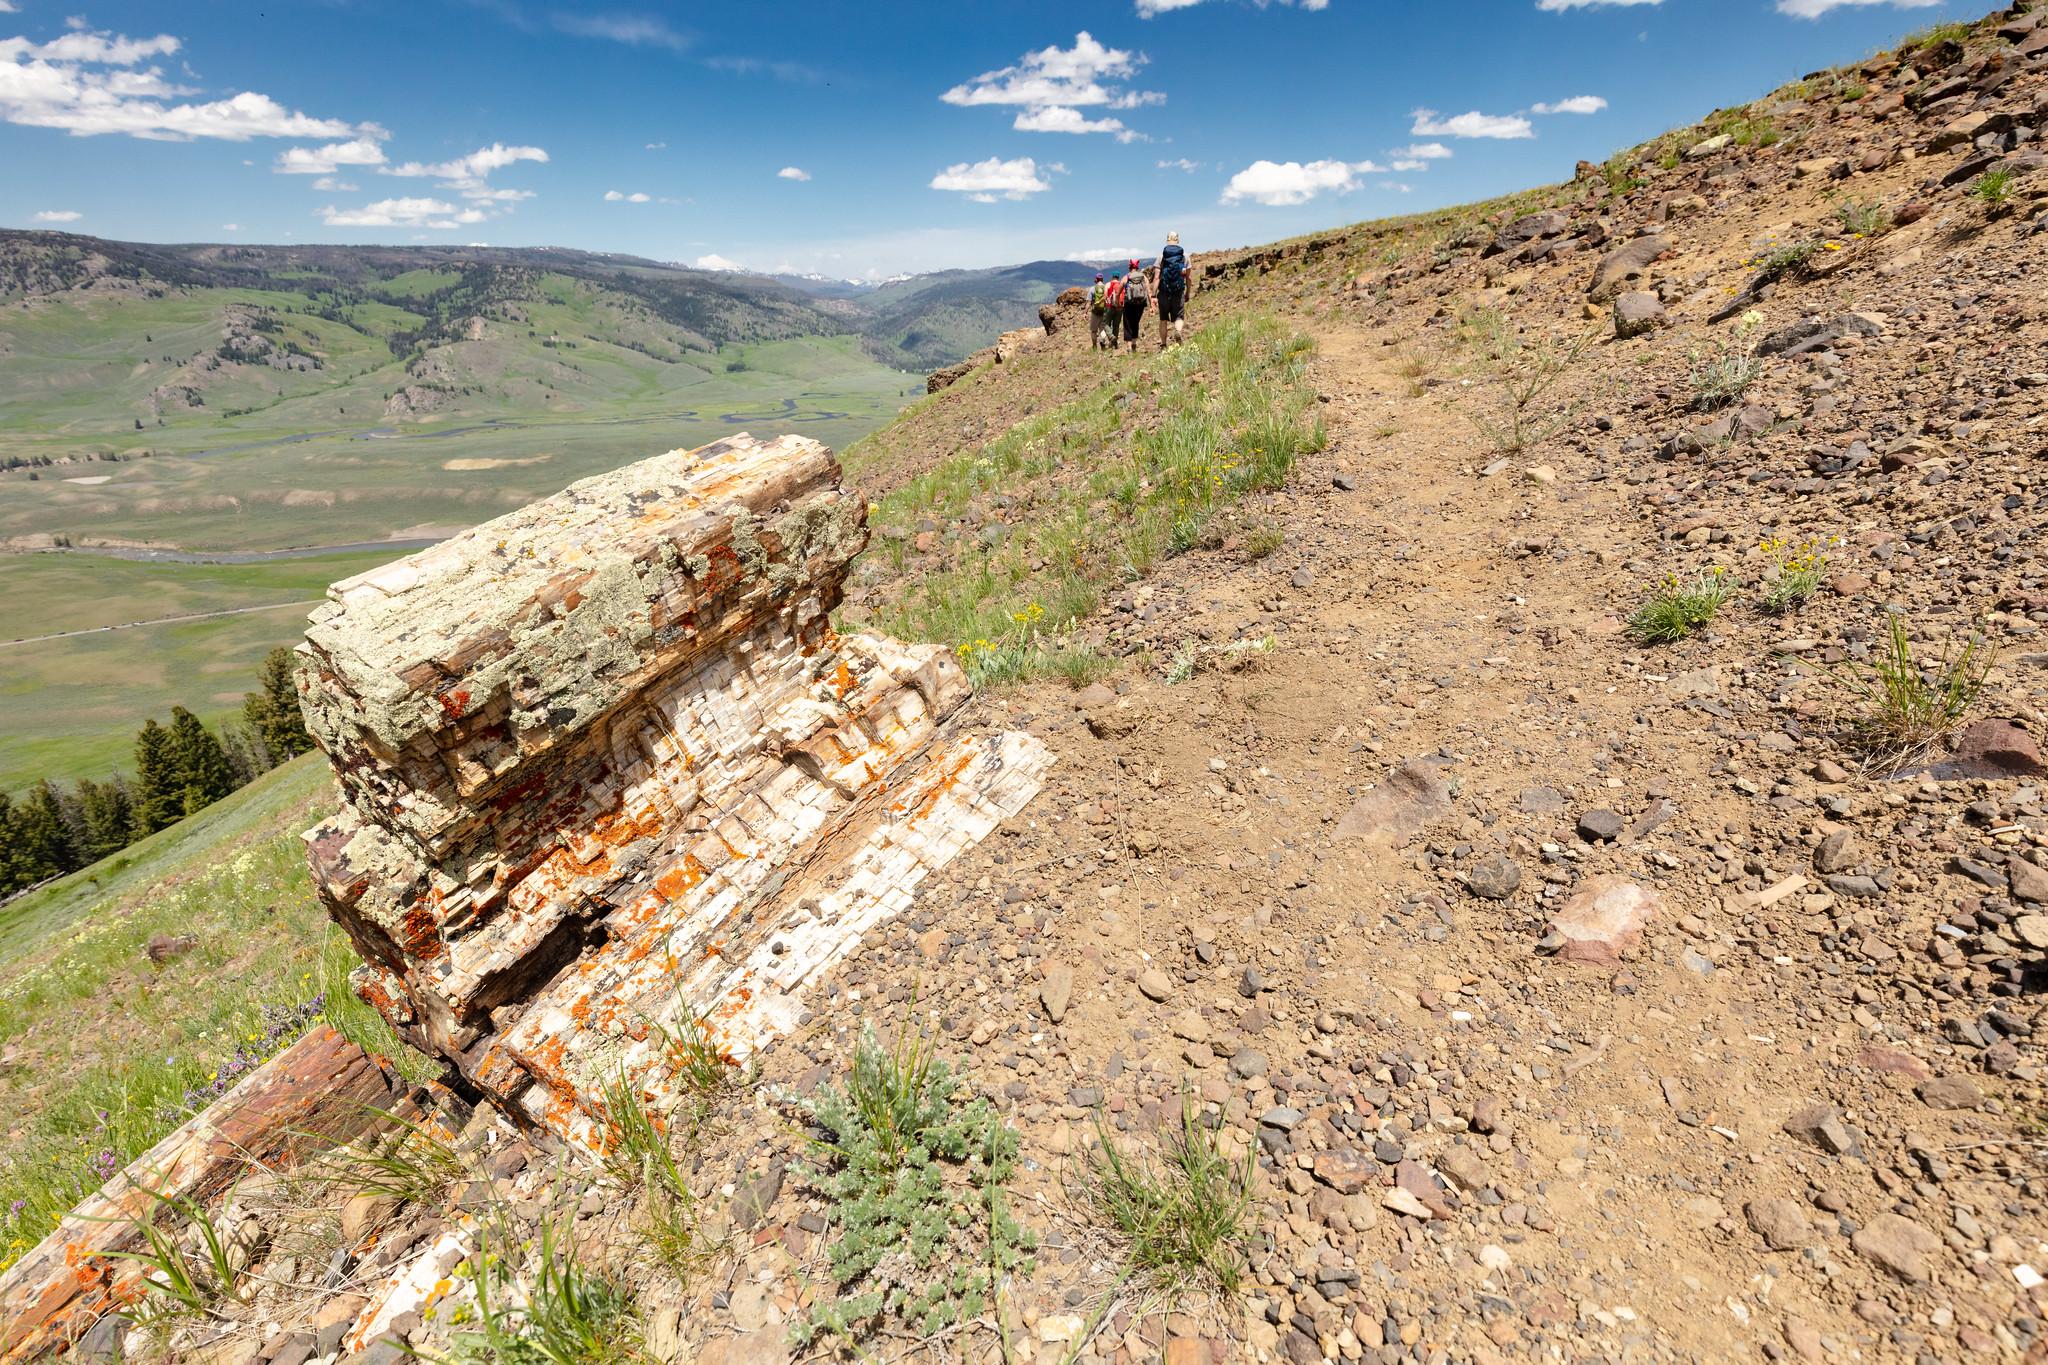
[[1175, 284]]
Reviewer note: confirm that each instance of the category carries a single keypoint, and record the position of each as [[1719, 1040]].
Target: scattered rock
[[1603, 920], [1055, 991], [1781, 1222], [1412, 796], [1493, 877], [1898, 1244]]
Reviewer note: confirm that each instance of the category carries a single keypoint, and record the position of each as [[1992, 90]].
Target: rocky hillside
[[1546, 855]]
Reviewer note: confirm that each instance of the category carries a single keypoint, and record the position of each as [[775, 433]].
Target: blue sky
[[853, 139]]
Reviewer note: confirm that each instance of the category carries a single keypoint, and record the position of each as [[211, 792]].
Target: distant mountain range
[[917, 322]]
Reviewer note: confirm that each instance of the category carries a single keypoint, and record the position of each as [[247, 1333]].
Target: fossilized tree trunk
[[609, 770]]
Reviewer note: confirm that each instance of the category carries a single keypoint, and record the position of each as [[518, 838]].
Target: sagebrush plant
[[1723, 371], [537, 1303], [1904, 704], [1182, 1215], [1797, 570], [915, 1174], [1521, 375], [1679, 607]]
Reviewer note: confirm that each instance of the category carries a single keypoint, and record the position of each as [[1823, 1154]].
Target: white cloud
[[982, 181], [59, 216], [1423, 151], [1814, 9], [468, 176], [1473, 124], [88, 83], [414, 213], [1104, 253], [1148, 8], [334, 184], [1052, 85], [636, 197], [361, 151], [1279, 183], [1180, 164], [639, 30], [1060, 119], [1577, 104], [1556, 6], [717, 262], [793, 173], [656, 147], [230, 227]]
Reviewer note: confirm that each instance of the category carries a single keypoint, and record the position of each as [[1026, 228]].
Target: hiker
[[1175, 284], [1112, 313], [1136, 295], [1098, 314]]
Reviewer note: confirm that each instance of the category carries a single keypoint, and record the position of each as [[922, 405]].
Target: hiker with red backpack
[[1112, 312], [1175, 284], [1136, 294]]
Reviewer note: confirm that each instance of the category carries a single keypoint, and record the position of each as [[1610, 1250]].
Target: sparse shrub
[[409, 1162], [176, 1285], [1849, 91], [1993, 189], [1798, 571], [1263, 540], [639, 1156], [1863, 220], [1677, 609], [1183, 1215], [1905, 705], [1722, 372], [916, 1181], [1935, 35], [559, 1312], [1522, 375]]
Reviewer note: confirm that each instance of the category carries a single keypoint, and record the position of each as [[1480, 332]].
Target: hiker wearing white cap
[[1175, 284]]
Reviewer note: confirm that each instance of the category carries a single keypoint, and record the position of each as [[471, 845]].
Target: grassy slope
[[98, 1047]]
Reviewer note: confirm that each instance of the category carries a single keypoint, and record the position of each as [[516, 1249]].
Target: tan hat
[[1173, 239]]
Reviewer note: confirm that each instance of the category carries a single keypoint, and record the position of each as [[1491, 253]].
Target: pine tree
[[247, 754], [159, 798], [42, 843], [109, 818], [200, 763], [273, 709], [12, 871]]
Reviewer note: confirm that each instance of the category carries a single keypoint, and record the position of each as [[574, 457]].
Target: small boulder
[[1625, 265], [1055, 991], [1602, 920], [1898, 1244], [1638, 313], [1780, 1222], [1494, 877]]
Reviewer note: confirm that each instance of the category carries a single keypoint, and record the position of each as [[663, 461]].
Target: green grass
[[104, 1048], [1676, 609], [1904, 703], [1184, 1215], [69, 708], [1107, 497]]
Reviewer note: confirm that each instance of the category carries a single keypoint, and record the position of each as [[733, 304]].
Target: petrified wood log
[[321, 1085], [612, 776]]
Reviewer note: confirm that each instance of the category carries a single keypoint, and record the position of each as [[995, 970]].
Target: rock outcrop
[[611, 776]]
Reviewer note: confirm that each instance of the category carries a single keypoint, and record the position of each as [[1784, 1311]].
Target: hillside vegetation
[[1547, 856]]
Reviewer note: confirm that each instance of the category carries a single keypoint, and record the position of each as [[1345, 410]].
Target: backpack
[[1114, 296], [1173, 270], [1134, 287], [1099, 297]]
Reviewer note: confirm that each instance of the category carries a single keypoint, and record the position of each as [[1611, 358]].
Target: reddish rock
[[1998, 748], [1603, 920], [1893, 1062]]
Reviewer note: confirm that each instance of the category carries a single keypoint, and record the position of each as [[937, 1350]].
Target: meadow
[[567, 380]]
